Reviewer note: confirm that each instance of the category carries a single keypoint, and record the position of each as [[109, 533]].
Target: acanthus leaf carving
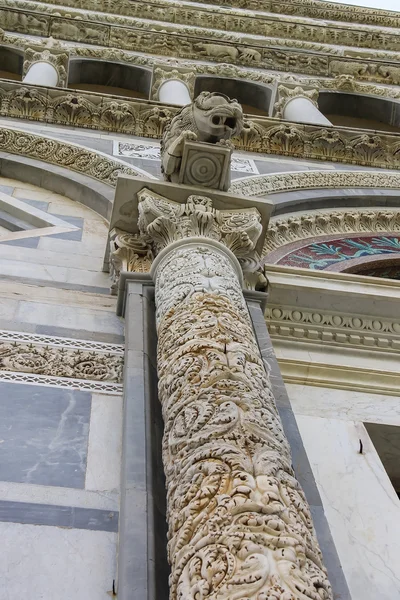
[[129, 253]]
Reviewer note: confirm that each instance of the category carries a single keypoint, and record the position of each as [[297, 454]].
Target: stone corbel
[[161, 74], [58, 58], [287, 92]]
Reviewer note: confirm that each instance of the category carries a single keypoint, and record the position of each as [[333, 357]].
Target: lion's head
[[217, 117]]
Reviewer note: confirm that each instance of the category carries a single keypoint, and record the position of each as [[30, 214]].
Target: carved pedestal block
[[208, 165]]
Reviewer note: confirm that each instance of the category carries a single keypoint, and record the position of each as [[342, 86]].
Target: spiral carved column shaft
[[239, 524]]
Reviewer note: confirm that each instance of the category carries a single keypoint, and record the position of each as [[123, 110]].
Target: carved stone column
[[239, 524], [299, 105]]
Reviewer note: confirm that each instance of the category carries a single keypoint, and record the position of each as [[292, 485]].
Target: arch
[[360, 111], [319, 181], [11, 63], [382, 267], [339, 240], [254, 97], [62, 167], [109, 78]]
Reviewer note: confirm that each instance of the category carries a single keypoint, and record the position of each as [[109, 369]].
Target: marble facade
[[274, 464]]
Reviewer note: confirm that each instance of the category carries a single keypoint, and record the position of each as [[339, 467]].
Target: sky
[[385, 4]]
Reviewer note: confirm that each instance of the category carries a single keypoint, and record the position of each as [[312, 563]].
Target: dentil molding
[[330, 328]]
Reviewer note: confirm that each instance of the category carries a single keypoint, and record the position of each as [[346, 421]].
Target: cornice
[[322, 338], [210, 45], [128, 12], [260, 134], [321, 374]]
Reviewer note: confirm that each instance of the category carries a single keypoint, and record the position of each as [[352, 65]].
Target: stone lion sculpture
[[212, 117]]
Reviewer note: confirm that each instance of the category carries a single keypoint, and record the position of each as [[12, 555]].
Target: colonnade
[[299, 109]]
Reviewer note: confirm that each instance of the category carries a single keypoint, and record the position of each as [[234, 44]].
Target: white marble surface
[[105, 444], [344, 404], [361, 506], [59, 496], [52, 563]]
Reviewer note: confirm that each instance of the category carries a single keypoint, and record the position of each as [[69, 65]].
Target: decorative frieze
[[300, 226], [146, 119], [313, 8], [63, 362], [63, 154], [128, 13], [308, 180], [192, 42]]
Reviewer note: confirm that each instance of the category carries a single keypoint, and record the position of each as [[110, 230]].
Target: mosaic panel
[[322, 255]]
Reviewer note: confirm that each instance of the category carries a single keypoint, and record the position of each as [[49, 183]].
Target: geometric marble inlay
[[146, 151], [20, 220]]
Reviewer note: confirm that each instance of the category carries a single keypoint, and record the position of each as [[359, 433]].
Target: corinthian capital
[[287, 93], [129, 253], [162, 222], [57, 57]]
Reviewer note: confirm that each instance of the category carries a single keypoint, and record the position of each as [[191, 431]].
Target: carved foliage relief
[[239, 524]]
